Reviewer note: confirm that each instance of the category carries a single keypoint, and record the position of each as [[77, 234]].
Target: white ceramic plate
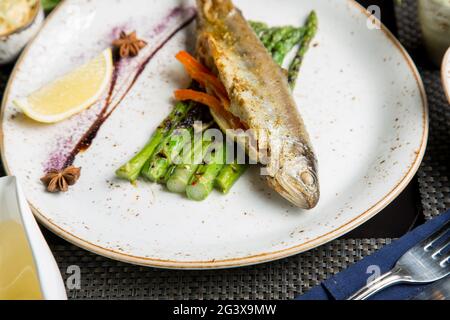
[[445, 72], [359, 93]]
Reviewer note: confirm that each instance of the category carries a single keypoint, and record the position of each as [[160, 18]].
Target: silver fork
[[425, 263]]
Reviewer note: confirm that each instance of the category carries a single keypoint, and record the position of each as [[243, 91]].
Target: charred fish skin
[[261, 97]]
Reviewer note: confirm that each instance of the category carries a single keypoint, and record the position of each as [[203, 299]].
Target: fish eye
[[307, 178]]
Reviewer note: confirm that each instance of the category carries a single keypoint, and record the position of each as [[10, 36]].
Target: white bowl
[[12, 43], [28, 269]]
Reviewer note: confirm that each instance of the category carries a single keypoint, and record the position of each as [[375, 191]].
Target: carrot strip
[[211, 102], [200, 97], [190, 62], [211, 83], [202, 75]]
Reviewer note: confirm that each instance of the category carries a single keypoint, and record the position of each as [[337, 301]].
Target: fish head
[[296, 179]]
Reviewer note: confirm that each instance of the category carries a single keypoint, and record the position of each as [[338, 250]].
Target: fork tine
[[445, 262], [441, 249], [428, 243]]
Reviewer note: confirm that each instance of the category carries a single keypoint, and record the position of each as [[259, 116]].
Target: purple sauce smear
[[127, 72]]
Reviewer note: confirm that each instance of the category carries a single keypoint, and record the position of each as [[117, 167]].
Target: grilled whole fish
[[261, 98]]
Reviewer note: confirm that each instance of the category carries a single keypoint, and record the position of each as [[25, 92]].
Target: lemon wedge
[[71, 93]]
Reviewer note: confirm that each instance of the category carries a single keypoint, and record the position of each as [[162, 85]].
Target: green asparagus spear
[[283, 47], [202, 183], [131, 170], [169, 173], [266, 38], [169, 149], [278, 35], [311, 29], [184, 172], [176, 142], [49, 5], [259, 27], [229, 175], [156, 167]]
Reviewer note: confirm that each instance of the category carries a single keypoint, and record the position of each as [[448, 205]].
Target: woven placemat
[[434, 174], [102, 278], [106, 279]]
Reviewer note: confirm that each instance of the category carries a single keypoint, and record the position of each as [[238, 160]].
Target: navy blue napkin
[[344, 284]]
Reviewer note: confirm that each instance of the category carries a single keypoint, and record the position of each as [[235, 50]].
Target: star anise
[[129, 45], [59, 181]]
